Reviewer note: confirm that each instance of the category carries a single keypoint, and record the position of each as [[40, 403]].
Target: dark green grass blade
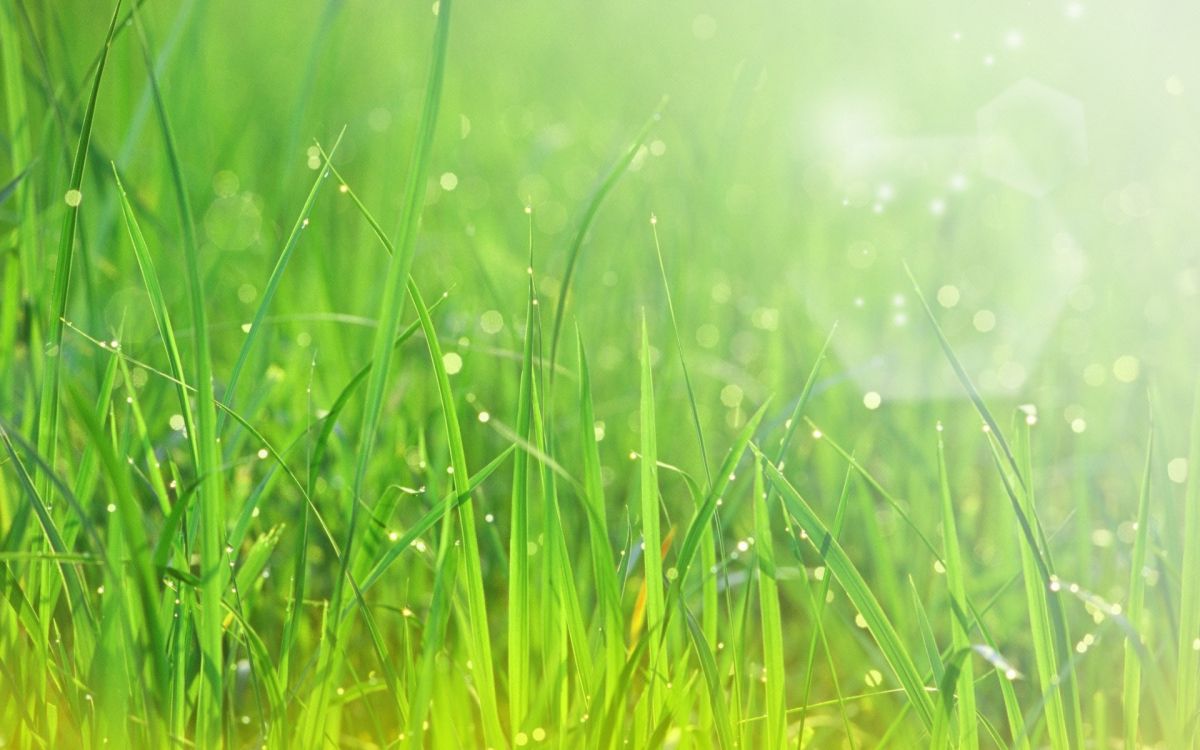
[[10, 187]]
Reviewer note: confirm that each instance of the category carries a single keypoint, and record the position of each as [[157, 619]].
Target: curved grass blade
[[860, 594], [480, 638], [611, 177], [289, 246], [687, 378], [162, 317]]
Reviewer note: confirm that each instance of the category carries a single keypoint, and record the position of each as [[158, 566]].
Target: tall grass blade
[[1131, 687], [1187, 685], [956, 576], [839, 564]]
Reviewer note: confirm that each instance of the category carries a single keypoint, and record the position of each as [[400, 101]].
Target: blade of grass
[[162, 317], [1044, 624], [603, 188], [1049, 622], [687, 379], [608, 591], [968, 728], [49, 403], [264, 304], [1187, 683], [839, 564], [144, 579], [209, 713], [480, 639], [431, 643], [390, 308], [772, 624], [519, 612], [1131, 690], [651, 530], [961, 373]]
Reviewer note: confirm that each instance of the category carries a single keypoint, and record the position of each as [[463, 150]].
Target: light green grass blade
[[1131, 688], [558, 576], [479, 638], [839, 564], [713, 682], [1187, 685], [817, 601], [1048, 649], [390, 308], [961, 373], [272, 285], [49, 406], [772, 625], [209, 712], [162, 317], [431, 644], [705, 513], [687, 378], [20, 270], [608, 590], [956, 577], [141, 571], [651, 535], [1048, 621], [519, 612], [430, 518]]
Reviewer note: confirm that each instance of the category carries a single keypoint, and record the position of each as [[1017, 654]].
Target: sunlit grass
[[586, 452]]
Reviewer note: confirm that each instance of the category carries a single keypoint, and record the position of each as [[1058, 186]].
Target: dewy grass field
[[601, 375]]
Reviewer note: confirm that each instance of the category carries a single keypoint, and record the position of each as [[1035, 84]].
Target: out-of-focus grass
[[657, 464]]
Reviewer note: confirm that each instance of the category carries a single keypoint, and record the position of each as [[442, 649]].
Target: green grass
[[350, 402]]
